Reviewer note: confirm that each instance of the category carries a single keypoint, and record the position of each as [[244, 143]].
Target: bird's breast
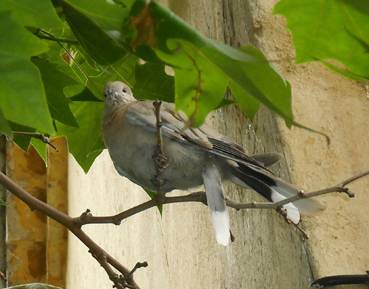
[[131, 148]]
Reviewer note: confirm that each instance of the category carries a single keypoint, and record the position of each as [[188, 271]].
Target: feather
[[216, 203]]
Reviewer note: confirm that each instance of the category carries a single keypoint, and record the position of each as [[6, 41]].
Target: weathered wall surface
[[268, 253], [340, 108]]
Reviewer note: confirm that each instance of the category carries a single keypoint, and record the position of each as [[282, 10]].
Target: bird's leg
[[159, 157]]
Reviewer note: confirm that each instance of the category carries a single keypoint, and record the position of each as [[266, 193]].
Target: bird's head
[[117, 92]]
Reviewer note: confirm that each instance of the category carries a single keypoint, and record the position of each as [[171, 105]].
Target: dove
[[195, 157]]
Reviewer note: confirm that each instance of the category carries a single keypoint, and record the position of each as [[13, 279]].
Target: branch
[[125, 280], [42, 137], [88, 218], [340, 188], [200, 197]]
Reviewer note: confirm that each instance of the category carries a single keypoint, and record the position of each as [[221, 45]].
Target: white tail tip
[[221, 227], [293, 213]]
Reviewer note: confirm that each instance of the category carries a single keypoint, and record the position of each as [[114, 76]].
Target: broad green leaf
[[357, 18], [85, 95], [153, 83], [41, 148], [16, 40], [4, 126], [199, 84], [38, 14], [103, 48], [22, 97], [21, 140], [107, 14], [54, 83], [33, 286], [85, 142], [248, 104], [313, 23]]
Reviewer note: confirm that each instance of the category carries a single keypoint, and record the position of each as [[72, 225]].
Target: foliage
[[328, 30], [56, 56]]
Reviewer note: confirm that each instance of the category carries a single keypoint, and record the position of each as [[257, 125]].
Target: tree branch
[[125, 280], [200, 197]]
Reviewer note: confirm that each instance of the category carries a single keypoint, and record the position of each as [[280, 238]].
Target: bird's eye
[[124, 90]]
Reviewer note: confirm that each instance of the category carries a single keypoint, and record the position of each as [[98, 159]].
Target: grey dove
[[196, 156]]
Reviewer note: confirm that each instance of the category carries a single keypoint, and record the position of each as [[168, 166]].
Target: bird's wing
[[174, 126]]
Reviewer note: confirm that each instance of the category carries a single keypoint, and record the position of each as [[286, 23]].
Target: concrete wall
[[268, 253]]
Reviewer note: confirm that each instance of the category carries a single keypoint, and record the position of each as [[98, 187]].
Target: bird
[[195, 157]]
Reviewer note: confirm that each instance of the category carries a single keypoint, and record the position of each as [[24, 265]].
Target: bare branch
[[137, 266], [105, 260], [85, 219], [201, 198]]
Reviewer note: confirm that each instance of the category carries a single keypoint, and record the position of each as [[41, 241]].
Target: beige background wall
[[268, 253]]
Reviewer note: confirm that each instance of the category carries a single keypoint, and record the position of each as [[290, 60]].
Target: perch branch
[[201, 198], [125, 280]]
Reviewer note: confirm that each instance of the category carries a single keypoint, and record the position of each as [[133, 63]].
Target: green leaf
[[199, 84], [152, 196], [245, 69], [248, 104], [107, 14], [41, 148], [313, 23], [153, 83], [97, 43], [23, 141], [85, 95], [16, 40], [55, 82], [39, 14], [33, 286], [22, 97], [4, 126], [85, 142]]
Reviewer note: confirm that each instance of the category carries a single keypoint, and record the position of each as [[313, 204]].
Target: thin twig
[[138, 266], [105, 260], [42, 137], [42, 34]]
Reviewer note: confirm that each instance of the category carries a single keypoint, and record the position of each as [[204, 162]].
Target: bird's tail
[[216, 203], [274, 189]]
